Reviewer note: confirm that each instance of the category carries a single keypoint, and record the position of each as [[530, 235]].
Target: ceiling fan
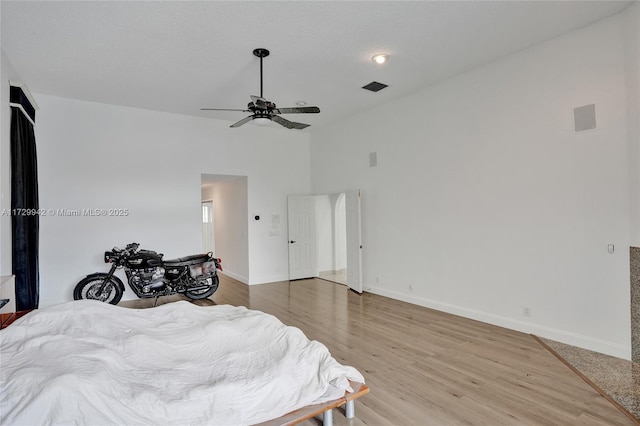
[[262, 111]]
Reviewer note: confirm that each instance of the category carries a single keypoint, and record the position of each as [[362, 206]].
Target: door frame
[[354, 240], [354, 246]]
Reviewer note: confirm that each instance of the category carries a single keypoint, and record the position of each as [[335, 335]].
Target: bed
[[87, 362]]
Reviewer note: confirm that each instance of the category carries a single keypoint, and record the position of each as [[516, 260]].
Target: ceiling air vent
[[374, 86]]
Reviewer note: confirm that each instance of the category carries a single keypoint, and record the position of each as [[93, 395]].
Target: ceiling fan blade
[[288, 124], [223, 109], [243, 121], [298, 110]]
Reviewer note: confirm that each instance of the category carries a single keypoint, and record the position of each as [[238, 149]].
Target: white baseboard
[[569, 338], [269, 279], [235, 276]]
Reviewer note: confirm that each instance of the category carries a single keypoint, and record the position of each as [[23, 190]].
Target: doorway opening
[[332, 237], [325, 238], [225, 227]]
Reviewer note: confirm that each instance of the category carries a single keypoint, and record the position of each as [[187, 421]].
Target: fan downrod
[[261, 53]]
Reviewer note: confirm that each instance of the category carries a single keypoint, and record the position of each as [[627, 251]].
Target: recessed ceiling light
[[380, 59]]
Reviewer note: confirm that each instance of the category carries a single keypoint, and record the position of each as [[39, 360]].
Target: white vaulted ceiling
[[180, 56]]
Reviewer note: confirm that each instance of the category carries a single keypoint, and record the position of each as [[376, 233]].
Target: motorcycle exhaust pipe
[[153, 286], [201, 287]]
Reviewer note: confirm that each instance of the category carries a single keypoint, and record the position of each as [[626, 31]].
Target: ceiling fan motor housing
[[261, 53]]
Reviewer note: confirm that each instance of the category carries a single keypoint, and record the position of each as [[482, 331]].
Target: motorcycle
[[149, 275]]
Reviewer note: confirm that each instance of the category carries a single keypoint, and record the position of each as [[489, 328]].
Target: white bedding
[[89, 362]]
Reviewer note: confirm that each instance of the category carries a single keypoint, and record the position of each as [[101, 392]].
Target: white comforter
[[91, 363]]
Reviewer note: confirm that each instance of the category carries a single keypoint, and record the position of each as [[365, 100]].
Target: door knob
[[292, 241]]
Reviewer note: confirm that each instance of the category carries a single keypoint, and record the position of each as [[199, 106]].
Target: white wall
[[485, 201], [103, 156], [229, 197], [632, 54], [7, 73]]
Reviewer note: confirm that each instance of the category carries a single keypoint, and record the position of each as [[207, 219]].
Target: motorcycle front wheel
[[203, 294], [88, 289]]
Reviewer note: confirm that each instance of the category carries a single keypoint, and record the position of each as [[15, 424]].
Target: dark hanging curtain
[[24, 202]]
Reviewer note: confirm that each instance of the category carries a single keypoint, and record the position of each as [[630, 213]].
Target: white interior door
[[208, 240], [301, 219], [354, 241]]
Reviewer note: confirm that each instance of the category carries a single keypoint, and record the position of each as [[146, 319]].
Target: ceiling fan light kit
[[264, 111], [261, 121]]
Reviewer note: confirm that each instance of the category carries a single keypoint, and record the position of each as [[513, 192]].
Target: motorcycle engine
[[148, 280]]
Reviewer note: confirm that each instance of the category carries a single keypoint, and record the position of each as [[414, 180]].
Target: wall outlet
[[611, 248], [526, 311]]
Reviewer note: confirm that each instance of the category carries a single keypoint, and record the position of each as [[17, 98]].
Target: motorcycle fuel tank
[[144, 259]]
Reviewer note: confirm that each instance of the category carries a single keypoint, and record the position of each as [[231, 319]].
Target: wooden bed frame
[[326, 409]]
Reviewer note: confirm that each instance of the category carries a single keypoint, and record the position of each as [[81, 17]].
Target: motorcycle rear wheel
[[88, 288], [203, 294]]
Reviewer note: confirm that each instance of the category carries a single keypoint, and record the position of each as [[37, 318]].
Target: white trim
[[26, 91], [237, 277], [13, 104], [272, 279], [574, 339]]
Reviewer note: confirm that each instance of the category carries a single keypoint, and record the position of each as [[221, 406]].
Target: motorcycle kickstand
[[155, 301]]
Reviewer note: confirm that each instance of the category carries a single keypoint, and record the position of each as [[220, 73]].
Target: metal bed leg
[[327, 418], [350, 409]]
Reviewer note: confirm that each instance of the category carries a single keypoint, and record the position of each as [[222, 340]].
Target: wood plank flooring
[[426, 367]]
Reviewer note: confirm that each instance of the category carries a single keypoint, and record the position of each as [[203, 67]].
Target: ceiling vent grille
[[374, 86]]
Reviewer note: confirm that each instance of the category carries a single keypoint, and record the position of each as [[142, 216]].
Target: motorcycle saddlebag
[[206, 269]]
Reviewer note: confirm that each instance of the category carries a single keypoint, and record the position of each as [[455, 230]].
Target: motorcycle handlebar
[[130, 248], [133, 246]]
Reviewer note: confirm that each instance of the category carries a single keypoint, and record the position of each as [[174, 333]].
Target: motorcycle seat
[[189, 260]]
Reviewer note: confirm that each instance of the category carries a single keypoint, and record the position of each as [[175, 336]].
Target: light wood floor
[[426, 367]]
